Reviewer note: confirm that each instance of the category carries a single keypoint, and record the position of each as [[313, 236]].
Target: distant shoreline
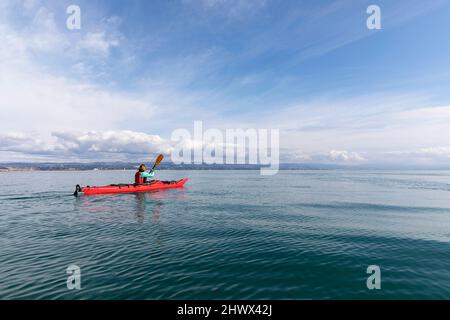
[[228, 169], [127, 169], [164, 169], [124, 166]]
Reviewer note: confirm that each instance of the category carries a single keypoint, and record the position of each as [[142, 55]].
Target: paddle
[[158, 160]]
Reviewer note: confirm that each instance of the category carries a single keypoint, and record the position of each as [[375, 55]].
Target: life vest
[[138, 179]]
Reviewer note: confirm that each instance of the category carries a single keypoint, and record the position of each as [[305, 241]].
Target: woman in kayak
[[141, 175]]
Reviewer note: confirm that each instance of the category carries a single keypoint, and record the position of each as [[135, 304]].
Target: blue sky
[[137, 70]]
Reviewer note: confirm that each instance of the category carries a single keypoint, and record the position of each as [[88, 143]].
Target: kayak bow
[[130, 188]]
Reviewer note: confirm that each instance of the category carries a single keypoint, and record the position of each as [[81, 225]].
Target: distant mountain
[[53, 166], [73, 166]]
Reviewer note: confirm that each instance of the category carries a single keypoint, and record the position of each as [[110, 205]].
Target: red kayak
[[130, 188]]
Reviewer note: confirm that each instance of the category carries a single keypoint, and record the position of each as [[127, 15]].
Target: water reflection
[[137, 206], [141, 204], [140, 207]]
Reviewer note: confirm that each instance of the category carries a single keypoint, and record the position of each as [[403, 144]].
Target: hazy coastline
[[80, 167]]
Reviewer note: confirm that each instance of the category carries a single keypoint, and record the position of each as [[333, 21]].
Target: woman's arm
[[147, 174]]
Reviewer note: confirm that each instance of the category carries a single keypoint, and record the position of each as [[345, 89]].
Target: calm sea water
[[227, 235]]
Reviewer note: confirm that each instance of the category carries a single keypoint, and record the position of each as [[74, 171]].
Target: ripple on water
[[311, 235]]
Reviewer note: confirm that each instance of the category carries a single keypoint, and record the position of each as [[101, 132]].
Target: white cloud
[[98, 43], [440, 152], [31, 4], [103, 40], [82, 69], [39, 99], [23, 143], [34, 100], [233, 9], [119, 142], [96, 145], [41, 102], [345, 156], [433, 153], [42, 34]]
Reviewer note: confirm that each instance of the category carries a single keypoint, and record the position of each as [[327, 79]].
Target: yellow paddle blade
[[159, 159]]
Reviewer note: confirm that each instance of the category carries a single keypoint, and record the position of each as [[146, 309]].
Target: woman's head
[[142, 168]]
